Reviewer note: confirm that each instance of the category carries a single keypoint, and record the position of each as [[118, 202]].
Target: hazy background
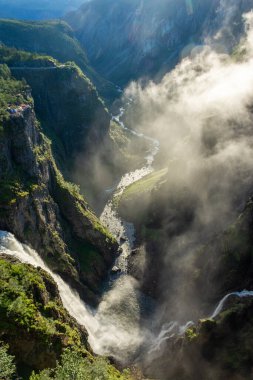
[[202, 114], [37, 9]]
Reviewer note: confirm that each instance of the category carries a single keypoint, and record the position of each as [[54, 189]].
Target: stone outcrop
[[43, 210]]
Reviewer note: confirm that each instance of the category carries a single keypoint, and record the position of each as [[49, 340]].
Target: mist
[[201, 113], [200, 116]]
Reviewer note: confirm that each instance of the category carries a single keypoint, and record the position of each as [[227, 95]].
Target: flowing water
[[114, 328], [108, 335], [173, 328], [124, 231], [220, 306]]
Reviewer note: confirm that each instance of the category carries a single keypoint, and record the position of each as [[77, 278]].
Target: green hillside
[[53, 38]]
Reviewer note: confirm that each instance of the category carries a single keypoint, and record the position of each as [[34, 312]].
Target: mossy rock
[[33, 321]]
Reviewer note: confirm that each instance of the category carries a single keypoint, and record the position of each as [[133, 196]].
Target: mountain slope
[[38, 206], [37, 9], [148, 38], [33, 321], [54, 38], [66, 102]]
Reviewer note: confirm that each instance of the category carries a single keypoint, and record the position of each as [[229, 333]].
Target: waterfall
[[173, 328], [112, 329], [219, 308], [70, 299], [168, 331]]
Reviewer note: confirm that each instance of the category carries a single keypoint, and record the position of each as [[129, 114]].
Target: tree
[[74, 367], [7, 366]]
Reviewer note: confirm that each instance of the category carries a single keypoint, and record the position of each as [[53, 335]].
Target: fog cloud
[[202, 114]]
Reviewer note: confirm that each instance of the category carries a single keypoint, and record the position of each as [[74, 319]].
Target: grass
[[142, 187]]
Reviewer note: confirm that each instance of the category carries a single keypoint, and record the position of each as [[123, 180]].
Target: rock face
[[130, 39], [169, 269], [55, 39], [69, 108], [85, 143], [43, 210], [213, 349], [33, 321]]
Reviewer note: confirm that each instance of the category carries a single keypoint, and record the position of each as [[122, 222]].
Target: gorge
[[126, 153]]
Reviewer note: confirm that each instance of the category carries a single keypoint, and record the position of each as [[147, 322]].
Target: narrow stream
[[122, 230], [115, 328]]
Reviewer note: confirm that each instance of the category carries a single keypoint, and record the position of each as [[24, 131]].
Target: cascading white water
[[168, 331], [122, 301], [219, 308], [173, 328], [114, 328], [71, 301], [107, 334]]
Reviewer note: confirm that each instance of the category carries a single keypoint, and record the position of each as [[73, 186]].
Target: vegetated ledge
[[33, 320], [53, 38], [66, 102], [36, 327], [44, 211], [139, 190]]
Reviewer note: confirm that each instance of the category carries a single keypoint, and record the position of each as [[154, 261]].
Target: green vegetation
[[26, 305], [7, 366], [32, 315], [74, 367], [12, 93], [68, 192], [53, 38], [39, 330], [11, 189], [145, 185], [191, 333], [50, 212], [226, 341], [20, 58], [137, 197], [66, 102]]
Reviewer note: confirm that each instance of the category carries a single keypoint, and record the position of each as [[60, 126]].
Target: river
[[115, 328]]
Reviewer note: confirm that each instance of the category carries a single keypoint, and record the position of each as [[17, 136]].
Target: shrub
[[7, 366], [74, 367]]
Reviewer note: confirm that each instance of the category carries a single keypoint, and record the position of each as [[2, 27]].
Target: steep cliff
[[56, 39], [147, 38], [66, 102], [143, 37], [38, 331], [39, 207]]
